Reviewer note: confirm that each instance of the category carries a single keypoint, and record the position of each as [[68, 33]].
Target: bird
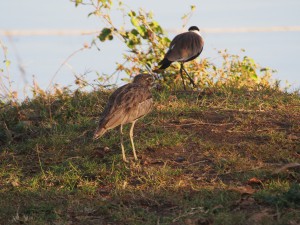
[[127, 104], [183, 48]]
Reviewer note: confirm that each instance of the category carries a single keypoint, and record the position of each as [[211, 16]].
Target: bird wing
[[111, 107], [125, 105], [144, 107], [185, 46]]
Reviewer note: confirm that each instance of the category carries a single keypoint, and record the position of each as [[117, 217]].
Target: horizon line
[[76, 32]]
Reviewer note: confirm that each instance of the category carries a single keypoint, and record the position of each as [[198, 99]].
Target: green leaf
[[105, 34], [110, 37], [78, 2], [150, 14], [166, 41], [265, 69], [132, 13], [134, 21], [156, 27], [254, 76], [7, 63], [134, 32], [142, 30]]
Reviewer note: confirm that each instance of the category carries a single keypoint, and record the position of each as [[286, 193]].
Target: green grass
[[198, 152]]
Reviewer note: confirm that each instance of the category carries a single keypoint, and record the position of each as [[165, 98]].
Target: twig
[[66, 60], [19, 60], [6, 90], [186, 17], [201, 161]]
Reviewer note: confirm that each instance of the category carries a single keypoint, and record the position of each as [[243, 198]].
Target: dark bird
[[126, 105], [183, 48]]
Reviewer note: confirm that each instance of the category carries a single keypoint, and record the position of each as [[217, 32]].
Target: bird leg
[[191, 80], [182, 78], [131, 139], [122, 146]]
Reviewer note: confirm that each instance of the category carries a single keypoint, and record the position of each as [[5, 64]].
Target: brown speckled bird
[[126, 105]]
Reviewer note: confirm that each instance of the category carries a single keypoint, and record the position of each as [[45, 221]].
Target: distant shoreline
[[76, 32]]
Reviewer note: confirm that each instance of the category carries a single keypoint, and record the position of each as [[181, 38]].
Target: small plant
[[6, 92]]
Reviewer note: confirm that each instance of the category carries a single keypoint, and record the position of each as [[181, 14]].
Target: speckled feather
[[127, 104]]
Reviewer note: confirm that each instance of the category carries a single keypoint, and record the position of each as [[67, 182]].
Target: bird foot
[[125, 160]]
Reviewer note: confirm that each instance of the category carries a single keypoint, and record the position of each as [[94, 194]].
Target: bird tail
[[99, 132], [165, 63]]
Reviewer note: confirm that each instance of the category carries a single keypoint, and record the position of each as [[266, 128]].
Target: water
[[41, 56]]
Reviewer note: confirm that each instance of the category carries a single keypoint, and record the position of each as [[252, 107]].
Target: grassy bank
[[215, 157]]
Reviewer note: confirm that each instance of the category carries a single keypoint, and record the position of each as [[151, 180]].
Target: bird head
[[194, 28], [143, 79]]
